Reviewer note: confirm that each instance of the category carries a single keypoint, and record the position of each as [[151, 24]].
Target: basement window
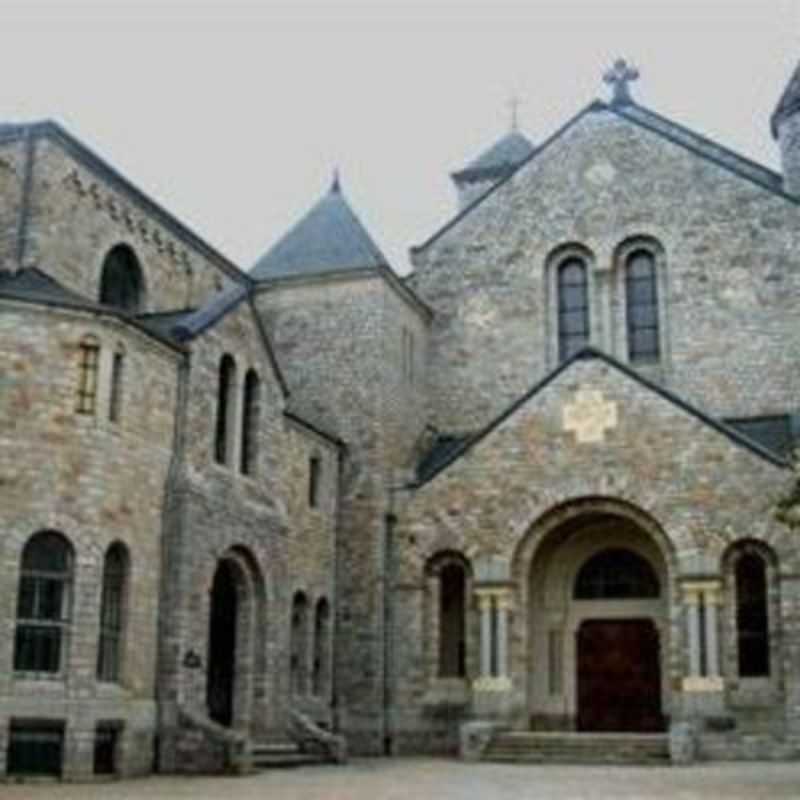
[[36, 747]]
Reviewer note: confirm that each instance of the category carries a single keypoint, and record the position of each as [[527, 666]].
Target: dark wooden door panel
[[619, 676]]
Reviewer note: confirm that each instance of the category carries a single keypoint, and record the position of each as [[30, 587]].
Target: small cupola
[[491, 166]]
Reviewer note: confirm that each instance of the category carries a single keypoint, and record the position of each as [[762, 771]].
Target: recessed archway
[[596, 627], [236, 654]]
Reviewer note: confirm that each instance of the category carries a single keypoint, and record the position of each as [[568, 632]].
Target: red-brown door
[[619, 676]]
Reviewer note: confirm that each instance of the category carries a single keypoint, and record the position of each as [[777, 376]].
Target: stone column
[[503, 605], [691, 600], [485, 602], [713, 597], [492, 689]]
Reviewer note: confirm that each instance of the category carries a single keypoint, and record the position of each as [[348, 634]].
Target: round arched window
[[122, 284], [616, 574]]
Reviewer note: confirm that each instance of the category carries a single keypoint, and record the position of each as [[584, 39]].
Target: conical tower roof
[[329, 238], [789, 103]]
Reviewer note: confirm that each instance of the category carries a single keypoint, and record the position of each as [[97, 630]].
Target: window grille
[[87, 378], [43, 604], [573, 308], [641, 295]]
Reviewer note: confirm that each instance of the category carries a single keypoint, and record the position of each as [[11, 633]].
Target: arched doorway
[[223, 619], [597, 625]]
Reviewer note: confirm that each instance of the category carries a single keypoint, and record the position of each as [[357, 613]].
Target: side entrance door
[[619, 676]]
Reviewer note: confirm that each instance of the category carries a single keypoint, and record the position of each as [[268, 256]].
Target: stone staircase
[[269, 755], [526, 747]]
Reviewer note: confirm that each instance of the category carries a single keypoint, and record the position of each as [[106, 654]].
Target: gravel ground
[[431, 779]]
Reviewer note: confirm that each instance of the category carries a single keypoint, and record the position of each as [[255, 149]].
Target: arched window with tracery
[[299, 645], [320, 680], [121, 281], [44, 601], [573, 307], [752, 615], [223, 433], [112, 613], [641, 303], [251, 399]]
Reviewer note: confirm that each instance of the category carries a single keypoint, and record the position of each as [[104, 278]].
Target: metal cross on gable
[[619, 76]]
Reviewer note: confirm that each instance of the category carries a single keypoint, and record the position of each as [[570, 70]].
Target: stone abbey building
[[542, 483]]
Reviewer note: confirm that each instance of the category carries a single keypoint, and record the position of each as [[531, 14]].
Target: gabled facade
[[540, 484]]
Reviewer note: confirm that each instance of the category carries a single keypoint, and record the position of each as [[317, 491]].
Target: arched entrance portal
[[222, 644], [598, 627]]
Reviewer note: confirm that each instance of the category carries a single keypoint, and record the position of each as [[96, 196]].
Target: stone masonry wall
[[96, 482], [76, 217], [789, 140], [702, 490], [340, 345], [12, 176], [261, 520], [729, 276]]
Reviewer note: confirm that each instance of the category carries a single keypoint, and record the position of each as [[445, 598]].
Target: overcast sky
[[233, 114]]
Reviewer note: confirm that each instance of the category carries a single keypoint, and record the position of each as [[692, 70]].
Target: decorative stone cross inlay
[[619, 76], [589, 415]]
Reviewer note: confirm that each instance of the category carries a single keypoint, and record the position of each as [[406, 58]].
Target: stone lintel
[[500, 683], [696, 683]]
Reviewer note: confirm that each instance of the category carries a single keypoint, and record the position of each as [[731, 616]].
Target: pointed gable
[[329, 238]]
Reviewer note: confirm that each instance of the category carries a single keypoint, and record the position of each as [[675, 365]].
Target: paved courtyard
[[424, 779]]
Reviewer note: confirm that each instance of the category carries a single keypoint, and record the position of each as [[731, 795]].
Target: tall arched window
[[452, 621], [121, 283], [752, 615], [43, 603], [641, 302], [112, 612], [223, 439], [573, 307], [321, 648], [251, 399], [299, 644]]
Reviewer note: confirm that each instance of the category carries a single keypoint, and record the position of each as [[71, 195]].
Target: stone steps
[[525, 747], [271, 755]]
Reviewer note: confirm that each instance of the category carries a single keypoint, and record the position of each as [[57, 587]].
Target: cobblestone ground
[[427, 779]]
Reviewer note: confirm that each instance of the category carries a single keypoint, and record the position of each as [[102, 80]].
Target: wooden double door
[[619, 676]]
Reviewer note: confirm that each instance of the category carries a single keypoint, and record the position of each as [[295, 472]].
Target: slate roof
[[314, 414], [443, 460], [672, 131], [498, 160], [329, 238], [789, 102], [48, 129], [196, 322], [31, 285]]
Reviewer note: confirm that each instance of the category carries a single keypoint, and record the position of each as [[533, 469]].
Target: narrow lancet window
[[112, 606], [752, 617], [222, 435], [250, 422]]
